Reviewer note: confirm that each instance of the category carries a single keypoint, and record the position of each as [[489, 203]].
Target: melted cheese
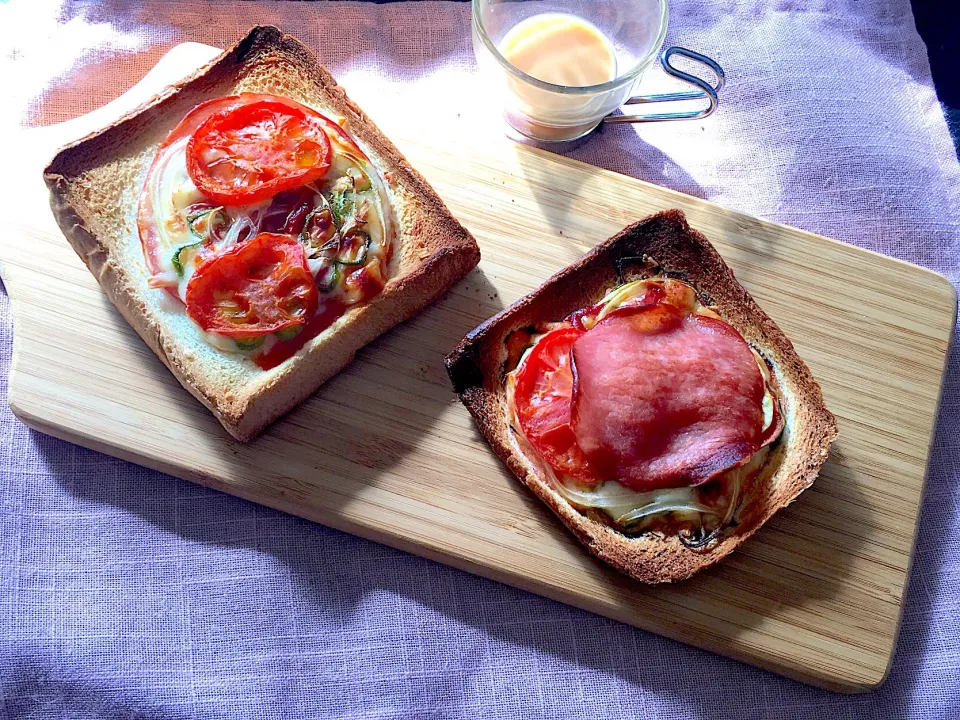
[[172, 192]]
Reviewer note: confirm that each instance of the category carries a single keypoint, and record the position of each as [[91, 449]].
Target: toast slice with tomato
[[645, 397], [255, 228]]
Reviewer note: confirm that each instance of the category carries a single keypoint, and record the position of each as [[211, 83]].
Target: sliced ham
[[665, 398]]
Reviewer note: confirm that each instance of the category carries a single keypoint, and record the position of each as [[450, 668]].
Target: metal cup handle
[[707, 91]]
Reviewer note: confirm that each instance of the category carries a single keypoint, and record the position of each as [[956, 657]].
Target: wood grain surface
[[816, 595]]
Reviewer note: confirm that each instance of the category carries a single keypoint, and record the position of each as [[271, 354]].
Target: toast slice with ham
[[482, 369]]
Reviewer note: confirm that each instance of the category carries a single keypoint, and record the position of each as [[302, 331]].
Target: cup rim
[[616, 82]]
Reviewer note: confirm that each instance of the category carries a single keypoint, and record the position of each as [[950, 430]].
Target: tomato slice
[[258, 287], [252, 152], [542, 395], [155, 253], [202, 112]]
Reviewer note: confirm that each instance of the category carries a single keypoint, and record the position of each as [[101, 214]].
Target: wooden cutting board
[[816, 595]]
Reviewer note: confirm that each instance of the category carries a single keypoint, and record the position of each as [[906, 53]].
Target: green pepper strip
[[249, 344], [177, 262], [305, 233], [333, 279], [339, 206], [194, 216], [362, 259], [289, 333]]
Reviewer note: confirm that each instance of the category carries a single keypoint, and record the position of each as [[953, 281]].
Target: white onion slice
[[667, 507], [167, 279], [233, 234], [316, 265], [619, 295], [385, 214], [626, 505], [606, 495]]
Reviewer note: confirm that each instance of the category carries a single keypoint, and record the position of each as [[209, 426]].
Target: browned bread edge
[[477, 368], [443, 249]]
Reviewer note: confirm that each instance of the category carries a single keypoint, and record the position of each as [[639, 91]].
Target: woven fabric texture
[[127, 593]]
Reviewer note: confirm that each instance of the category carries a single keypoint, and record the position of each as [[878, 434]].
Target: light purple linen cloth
[[127, 593]]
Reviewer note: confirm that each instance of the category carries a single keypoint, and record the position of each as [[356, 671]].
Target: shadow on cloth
[[27, 693], [342, 576], [621, 148]]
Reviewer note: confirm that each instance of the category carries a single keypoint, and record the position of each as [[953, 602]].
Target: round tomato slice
[[542, 395], [155, 252], [258, 287], [249, 153]]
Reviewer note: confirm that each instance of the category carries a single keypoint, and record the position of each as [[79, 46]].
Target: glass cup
[[544, 111]]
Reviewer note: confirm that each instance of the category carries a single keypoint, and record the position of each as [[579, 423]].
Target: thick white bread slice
[[94, 187]]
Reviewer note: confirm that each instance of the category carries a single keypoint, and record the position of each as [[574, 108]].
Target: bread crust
[[478, 368], [94, 189]]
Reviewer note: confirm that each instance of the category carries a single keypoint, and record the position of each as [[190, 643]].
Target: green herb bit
[[341, 199]]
